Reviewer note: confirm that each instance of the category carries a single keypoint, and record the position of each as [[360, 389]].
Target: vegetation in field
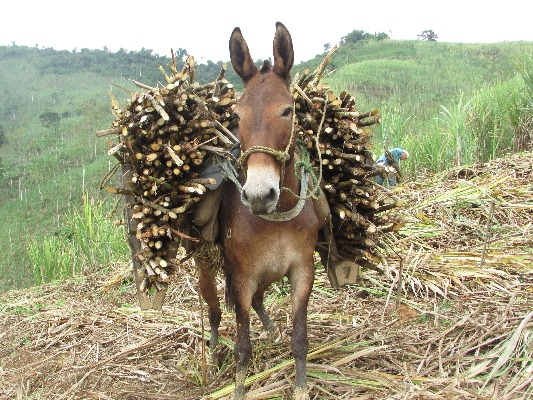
[[88, 241], [451, 318], [448, 104], [460, 327]]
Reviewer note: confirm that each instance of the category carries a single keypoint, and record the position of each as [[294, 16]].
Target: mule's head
[[265, 111]]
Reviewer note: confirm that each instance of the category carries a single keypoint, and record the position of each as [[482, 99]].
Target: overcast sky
[[203, 27]]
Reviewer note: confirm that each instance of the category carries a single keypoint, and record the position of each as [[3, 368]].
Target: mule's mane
[[266, 67]]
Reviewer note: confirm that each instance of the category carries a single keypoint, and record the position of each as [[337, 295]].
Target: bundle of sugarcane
[[345, 165], [164, 135]]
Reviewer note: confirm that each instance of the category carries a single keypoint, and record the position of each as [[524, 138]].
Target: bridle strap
[[281, 156]]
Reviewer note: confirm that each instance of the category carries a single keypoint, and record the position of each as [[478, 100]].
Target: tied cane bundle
[[165, 134]]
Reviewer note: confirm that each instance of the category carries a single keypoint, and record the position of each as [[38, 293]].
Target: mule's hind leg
[[208, 289]]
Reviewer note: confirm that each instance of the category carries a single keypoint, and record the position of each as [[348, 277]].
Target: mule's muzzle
[[261, 191], [260, 203]]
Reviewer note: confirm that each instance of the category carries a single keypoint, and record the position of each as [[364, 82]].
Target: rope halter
[[282, 156], [303, 165]]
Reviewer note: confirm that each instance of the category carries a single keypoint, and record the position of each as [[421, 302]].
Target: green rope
[[304, 164]]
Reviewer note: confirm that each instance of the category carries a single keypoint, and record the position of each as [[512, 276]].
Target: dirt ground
[[462, 327]]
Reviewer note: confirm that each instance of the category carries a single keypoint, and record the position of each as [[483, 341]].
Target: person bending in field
[[390, 161]]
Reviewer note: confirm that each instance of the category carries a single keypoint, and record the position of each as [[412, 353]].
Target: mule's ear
[[283, 52], [240, 56]]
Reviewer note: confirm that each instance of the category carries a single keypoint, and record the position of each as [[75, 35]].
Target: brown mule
[[259, 251]]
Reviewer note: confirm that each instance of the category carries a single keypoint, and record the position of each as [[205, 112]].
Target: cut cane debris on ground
[[463, 328]]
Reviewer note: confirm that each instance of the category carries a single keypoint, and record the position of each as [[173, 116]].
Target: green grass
[[46, 170]]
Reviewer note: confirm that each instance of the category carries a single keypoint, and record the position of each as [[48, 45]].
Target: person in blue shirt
[[390, 160]]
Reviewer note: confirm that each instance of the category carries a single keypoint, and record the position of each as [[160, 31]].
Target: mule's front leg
[[301, 290], [243, 348]]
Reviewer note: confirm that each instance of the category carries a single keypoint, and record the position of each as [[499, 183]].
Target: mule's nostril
[[272, 194]]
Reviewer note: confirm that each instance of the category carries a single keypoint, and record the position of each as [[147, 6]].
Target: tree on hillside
[[381, 36], [428, 35], [50, 120], [358, 35], [180, 53]]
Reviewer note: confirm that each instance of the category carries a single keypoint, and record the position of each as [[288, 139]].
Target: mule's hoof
[[264, 335], [239, 393], [212, 372], [300, 394], [213, 365], [270, 334]]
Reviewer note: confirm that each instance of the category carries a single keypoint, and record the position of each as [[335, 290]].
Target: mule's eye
[[287, 112]]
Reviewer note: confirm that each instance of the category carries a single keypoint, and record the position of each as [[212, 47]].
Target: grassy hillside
[[52, 103], [46, 169], [424, 89], [419, 75]]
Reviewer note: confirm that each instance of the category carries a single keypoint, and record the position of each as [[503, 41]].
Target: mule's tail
[[230, 304]]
